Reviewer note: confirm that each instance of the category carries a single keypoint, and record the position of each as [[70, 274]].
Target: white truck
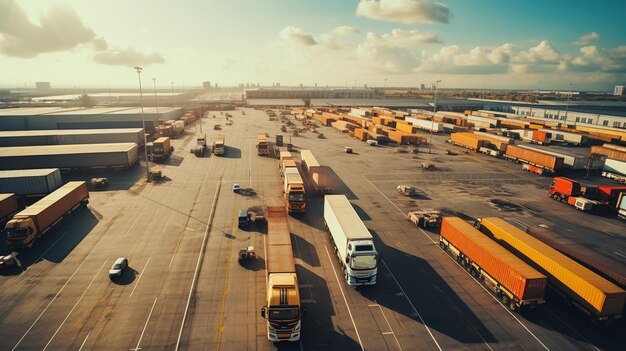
[[353, 243]]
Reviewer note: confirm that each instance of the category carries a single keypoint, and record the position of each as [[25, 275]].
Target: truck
[[549, 163], [293, 189], [595, 297], [517, 285], [621, 206], [353, 242], [219, 145], [279, 140], [34, 222], [601, 198], [283, 310], [200, 147], [614, 169], [8, 207], [30, 182], [317, 175], [262, 146], [162, 149]]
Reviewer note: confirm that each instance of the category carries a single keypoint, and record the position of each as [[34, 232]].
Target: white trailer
[[353, 243], [436, 127], [319, 178], [614, 169], [488, 121], [566, 137]]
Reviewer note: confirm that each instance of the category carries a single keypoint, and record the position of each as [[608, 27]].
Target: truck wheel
[[557, 197], [504, 299], [513, 306]]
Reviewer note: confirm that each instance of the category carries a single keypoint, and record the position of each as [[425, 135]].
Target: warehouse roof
[[42, 150], [59, 111], [19, 173], [20, 133]]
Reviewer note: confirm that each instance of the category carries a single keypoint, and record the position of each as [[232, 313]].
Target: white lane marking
[[344, 298], [84, 342], [619, 254], [389, 326], [76, 304], [572, 328], [412, 306], [140, 275], [195, 274], [145, 325], [50, 303], [518, 222]]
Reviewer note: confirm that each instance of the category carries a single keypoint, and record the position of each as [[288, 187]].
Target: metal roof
[[42, 150], [19, 133], [18, 173]]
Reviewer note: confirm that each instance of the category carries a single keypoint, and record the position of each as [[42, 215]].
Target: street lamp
[[172, 85], [384, 95], [155, 96], [432, 119], [143, 122]]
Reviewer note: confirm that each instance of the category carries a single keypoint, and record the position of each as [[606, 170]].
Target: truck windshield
[[219, 145], [296, 197], [363, 262], [16, 234], [283, 314], [157, 148]]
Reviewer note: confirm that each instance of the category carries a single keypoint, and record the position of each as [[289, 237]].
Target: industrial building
[[47, 118], [619, 90], [316, 93]]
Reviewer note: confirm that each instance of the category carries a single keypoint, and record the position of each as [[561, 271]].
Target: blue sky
[[473, 44]]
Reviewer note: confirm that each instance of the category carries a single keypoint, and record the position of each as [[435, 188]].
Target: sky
[[490, 44]]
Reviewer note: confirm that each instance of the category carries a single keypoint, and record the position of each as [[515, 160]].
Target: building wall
[[312, 94], [619, 90], [572, 117]]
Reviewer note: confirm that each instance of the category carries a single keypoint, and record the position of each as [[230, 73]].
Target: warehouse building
[[71, 136]]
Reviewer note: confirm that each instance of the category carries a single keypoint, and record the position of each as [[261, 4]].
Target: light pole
[[155, 96], [384, 95], [145, 141], [172, 85], [432, 119], [567, 103]]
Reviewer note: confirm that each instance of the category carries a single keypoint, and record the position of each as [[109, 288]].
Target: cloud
[[99, 44], [587, 38], [59, 29], [298, 36], [479, 60], [405, 11], [595, 59], [346, 31], [127, 57]]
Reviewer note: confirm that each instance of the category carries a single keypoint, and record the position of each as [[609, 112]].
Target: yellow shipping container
[[406, 127], [584, 286]]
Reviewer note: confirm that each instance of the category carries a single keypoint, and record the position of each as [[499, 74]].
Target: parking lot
[[184, 288]]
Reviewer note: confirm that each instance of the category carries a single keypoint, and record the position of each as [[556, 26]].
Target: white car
[[118, 268]]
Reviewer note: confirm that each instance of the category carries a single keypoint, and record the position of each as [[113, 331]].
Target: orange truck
[[586, 198], [32, 223]]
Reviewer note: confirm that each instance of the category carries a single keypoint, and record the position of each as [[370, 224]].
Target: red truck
[[585, 198]]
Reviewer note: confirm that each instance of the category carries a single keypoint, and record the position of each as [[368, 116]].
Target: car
[[236, 188], [118, 268], [243, 219]]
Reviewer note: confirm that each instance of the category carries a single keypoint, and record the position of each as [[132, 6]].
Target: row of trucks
[[519, 268], [588, 198], [293, 185]]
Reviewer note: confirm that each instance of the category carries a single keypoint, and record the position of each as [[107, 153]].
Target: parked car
[[118, 268], [236, 188]]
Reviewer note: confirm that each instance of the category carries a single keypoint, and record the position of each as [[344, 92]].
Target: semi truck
[[516, 284], [34, 222], [262, 146], [8, 207], [161, 149], [219, 145], [283, 311], [293, 189], [597, 298], [317, 176], [601, 198], [200, 147], [353, 242]]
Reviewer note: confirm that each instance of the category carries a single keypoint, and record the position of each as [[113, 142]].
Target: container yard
[[71, 136], [77, 156]]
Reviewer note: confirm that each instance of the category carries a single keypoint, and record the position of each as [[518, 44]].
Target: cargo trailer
[[548, 162], [436, 127], [70, 157], [8, 207], [514, 282], [353, 242], [571, 161], [566, 137], [598, 298], [466, 140], [614, 169], [30, 182], [32, 223], [608, 152], [71, 136], [317, 173]]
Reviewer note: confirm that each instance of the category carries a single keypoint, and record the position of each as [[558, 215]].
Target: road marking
[[518, 222], [140, 275], [200, 254], [619, 254], [137, 348], [84, 342], [344, 298], [412, 306], [388, 325], [76, 304], [220, 327], [50, 303]]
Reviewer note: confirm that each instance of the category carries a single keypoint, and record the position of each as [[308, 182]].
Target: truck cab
[[562, 188], [243, 219], [361, 262], [20, 232], [283, 313], [161, 149]]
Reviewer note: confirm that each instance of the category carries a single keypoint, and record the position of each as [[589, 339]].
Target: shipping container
[[71, 136], [600, 264], [615, 166], [549, 162], [566, 137], [571, 161], [466, 140], [78, 156], [497, 142], [541, 137], [423, 124], [617, 134], [8, 207], [609, 153], [30, 182], [587, 289], [360, 134], [615, 147], [472, 248]]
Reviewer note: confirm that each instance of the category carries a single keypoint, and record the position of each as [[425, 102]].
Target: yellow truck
[[35, 221], [293, 187], [161, 149], [262, 146], [219, 144], [283, 311]]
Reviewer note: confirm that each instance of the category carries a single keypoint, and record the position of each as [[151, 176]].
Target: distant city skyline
[[488, 44]]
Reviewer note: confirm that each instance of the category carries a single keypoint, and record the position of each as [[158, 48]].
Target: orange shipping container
[[533, 157], [609, 153], [467, 140], [361, 134]]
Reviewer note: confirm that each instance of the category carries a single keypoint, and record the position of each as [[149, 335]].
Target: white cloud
[[127, 57], [297, 36], [479, 60], [346, 31], [405, 11], [595, 59], [59, 29], [587, 38]]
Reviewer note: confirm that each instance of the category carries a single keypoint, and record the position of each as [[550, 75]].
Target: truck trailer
[[71, 136], [283, 311], [8, 207], [614, 169], [596, 297], [353, 242], [549, 163], [219, 144], [32, 223], [516, 284], [30, 182], [317, 176]]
